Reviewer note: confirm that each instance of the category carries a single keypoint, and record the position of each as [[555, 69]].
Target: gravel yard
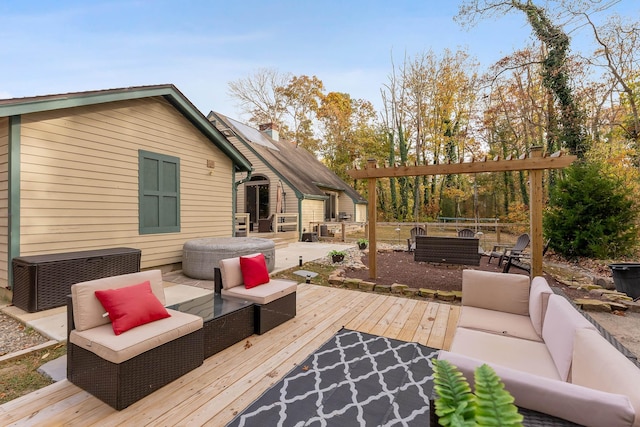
[[14, 336]]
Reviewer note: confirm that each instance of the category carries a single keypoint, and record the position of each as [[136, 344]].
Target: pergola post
[[535, 215], [371, 164]]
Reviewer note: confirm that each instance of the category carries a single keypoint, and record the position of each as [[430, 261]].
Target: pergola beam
[[554, 161], [535, 164]]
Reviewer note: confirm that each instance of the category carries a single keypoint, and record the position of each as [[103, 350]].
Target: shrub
[[590, 214]]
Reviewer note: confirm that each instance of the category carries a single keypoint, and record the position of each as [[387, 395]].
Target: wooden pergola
[[535, 163]]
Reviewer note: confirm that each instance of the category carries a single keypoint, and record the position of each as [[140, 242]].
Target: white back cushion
[[87, 310], [598, 365], [558, 332], [231, 272], [496, 291], [538, 300]]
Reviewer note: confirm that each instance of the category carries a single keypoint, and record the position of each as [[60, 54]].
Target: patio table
[[226, 321]]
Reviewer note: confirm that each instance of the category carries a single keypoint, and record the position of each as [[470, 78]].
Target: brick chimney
[[271, 129]]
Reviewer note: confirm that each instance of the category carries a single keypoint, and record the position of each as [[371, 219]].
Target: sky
[[62, 46]]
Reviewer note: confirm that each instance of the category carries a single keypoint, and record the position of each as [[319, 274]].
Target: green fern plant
[[458, 406]]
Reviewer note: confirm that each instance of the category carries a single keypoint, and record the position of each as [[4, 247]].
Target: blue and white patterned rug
[[354, 379]]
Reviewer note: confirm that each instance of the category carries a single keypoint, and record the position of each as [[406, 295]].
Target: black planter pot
[[362, 246], [337, 258], [626, 277]]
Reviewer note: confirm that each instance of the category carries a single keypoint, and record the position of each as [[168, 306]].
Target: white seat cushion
[[497, 322], [263, 294], [515, 353], [118, 348], [496, 291], [231, 272], [538, 301]]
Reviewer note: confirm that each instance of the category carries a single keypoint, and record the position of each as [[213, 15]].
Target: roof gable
[[300, 168], [20, 106]]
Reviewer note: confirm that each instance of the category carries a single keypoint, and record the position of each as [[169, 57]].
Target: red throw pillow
[[131, 306], [254, 271]]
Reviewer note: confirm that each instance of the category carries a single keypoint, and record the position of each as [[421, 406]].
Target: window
[[159, 193]]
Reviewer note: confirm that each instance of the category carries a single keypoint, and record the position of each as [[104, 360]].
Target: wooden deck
[[229, 381]]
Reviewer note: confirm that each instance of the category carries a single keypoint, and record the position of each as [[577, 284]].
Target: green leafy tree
[[302, 97], [348, 130], [591, 214]]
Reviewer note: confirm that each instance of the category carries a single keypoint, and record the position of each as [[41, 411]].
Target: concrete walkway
[[309, 251]]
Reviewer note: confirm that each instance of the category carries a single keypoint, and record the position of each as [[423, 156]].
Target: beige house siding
[[291, 201], [361, 213], [4, 201], [345, 204], [312, 211], [79, 179]]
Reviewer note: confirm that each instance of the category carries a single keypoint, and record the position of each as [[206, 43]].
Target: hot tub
[[201, 256]]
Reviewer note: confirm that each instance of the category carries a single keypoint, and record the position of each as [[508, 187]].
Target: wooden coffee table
[[226, 321]]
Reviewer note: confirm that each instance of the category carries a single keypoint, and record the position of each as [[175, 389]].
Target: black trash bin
[[626, 277]]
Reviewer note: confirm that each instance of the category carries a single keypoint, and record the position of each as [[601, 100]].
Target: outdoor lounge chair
[[521, 244], [521, 260], [466, 232], [418, 230]]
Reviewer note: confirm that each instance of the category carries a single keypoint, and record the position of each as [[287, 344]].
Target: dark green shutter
[[159, 193]]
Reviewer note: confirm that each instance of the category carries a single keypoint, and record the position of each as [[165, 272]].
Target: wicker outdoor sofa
[[122, 369], [551, 358]]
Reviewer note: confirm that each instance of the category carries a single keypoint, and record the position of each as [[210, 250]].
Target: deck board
[[229, 381]]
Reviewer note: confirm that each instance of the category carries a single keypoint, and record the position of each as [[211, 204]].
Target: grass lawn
[[20, 376]]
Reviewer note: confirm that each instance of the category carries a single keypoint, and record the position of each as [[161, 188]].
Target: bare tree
[[259, 95], [620, 53]]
